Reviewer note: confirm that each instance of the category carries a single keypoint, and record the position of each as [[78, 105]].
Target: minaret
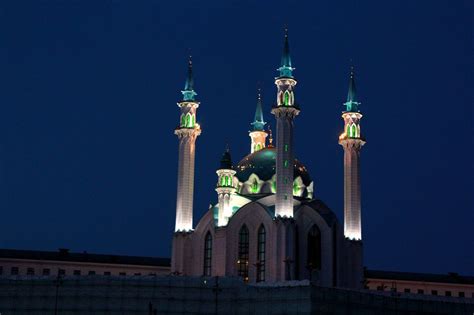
[[352, 142], [187, 133], [285, 111], [258, 134], [225, 188]]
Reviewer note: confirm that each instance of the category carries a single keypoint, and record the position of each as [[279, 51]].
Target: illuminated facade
[[266, 224]]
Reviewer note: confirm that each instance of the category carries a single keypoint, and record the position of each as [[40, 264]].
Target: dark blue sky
[[88, 93]]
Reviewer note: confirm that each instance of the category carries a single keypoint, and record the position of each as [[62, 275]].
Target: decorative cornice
[[187, 132], [285, 111], [352, 144], [188, 104]]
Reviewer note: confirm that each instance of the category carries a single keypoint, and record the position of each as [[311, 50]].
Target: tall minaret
[[225, 188], [258, 133], [352, 142], [187, 133], [285, 111]]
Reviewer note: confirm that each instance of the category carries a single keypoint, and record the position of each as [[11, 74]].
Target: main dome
[[262, 164]]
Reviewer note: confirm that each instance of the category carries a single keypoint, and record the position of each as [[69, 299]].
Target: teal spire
[[226, 160], [188, 92], [351, 104], [285, 67], [258, 122]]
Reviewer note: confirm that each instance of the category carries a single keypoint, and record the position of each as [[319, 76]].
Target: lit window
[[286, 147], [243, 254], [208, 254], [285, 163], [286, 98]]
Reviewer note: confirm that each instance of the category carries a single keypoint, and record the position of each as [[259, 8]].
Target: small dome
[[262, 164]]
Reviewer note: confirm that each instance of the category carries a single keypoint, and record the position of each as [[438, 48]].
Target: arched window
[[261, 254], [227, 181], [353, 131], [183, 120], [193, 118], [258, 147], [280, 98], [286, 98], [222, 181], [243, 257], [314, 249], [207, 254], [254, 186]]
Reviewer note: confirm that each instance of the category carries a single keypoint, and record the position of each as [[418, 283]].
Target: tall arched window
[[261, 254], [183, 120], [353, 131], [207, 254], [286, 98], [314, 248], [243, 257]]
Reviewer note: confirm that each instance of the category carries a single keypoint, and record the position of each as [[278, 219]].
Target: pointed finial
[[351, 104], [285, 67], [270, 137], [226, 160], [258, 123], [188, 92]]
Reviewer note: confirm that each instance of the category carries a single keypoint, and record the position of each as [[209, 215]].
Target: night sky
[[88, 92]]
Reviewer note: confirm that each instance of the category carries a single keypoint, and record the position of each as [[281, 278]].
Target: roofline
[[450, 277]]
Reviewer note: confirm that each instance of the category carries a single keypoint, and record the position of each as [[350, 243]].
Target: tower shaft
[[185, 190], [352, 203]]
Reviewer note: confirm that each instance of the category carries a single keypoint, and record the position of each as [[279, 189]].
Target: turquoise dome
[[262, 164]]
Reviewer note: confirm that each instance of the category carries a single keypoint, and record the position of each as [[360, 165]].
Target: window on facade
[[286, 147], [207, 254], [76, 272], [106, 273], [183, 121], [46, 272], [14, 271], [254, 186], [447, 293], [91, 273], [261, 254], [434, 292], [243, 255], [461, 294], [421, 291], [30, 271], [353, 131], [137, 274], [61, 272], [122, 273], [407, 290], [286, 98], [1, 270], [380, 288], [258, 147], [314, 249], [285, 163]]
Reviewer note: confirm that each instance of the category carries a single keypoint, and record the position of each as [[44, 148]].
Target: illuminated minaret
[[258, 133], [225, 188], [352, 142], [187, 133], [285, 111]]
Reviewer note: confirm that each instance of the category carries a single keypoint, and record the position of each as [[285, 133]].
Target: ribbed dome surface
[[262, 164]]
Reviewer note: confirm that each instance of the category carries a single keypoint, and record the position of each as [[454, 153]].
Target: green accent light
[[285, 163], [254, 186], [286, 147]]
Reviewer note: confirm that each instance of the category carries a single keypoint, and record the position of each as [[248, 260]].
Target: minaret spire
[[188, 92], [187, 133], [258, 133], [285, 111], [285, 68], [351, 104], [225, 188], [352, 141]]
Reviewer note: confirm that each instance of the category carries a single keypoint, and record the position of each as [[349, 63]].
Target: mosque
[[266, 224]]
